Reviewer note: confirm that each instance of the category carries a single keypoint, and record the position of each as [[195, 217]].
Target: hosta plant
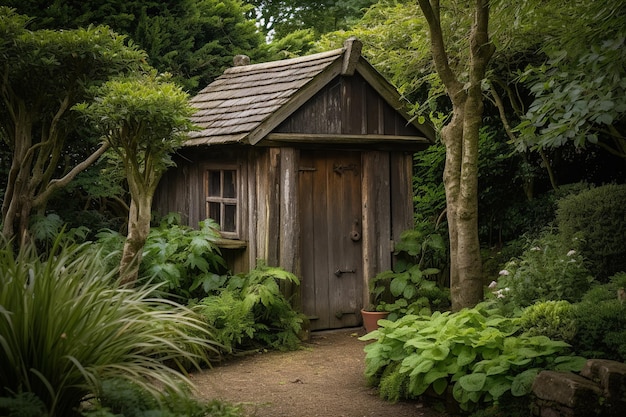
[[66, 325], [474, 351]]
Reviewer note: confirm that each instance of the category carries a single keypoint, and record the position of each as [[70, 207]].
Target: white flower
[[499, 294], [535, 248], [571, 253], [493, 285], [504, 272]]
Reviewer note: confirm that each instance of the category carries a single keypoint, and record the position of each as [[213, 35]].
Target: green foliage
[[547, 270], [144, 118], [121, 398], [282, 17], [601, 321], [579, 92], [476, 352], [429, 196], [412, 286], [596, 218], [554, 319], [66, 325], [24, 404], [45, 73], [250, 311], [186, 260], [194, 40]]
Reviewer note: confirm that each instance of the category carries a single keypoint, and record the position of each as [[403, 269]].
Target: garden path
[[323, 379]]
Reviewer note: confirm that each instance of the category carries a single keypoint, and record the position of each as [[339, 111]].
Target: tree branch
[[431, 12], [56, 184], [500, 106]]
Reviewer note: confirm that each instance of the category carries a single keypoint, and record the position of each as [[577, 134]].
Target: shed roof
[[247, 102]]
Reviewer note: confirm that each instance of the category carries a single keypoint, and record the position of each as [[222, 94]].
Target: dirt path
[[323, 379]]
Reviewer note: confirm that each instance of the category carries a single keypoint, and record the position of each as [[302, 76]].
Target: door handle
[[340, 272]]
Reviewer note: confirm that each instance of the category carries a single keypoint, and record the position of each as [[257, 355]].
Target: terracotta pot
[[370, 319]]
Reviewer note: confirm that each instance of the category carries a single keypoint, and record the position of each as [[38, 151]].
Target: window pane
[[214, 211], [229, 185], [230, 216], [214, 185]]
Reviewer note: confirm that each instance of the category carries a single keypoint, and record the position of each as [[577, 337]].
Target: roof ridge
[[285, 62]]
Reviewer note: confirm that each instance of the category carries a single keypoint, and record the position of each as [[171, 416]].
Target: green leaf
[[409, 291], [398, 284], [498, 386], [437, 352], [198, 262], [440, 385], [523, 382], [466, 356], [422, 367], [473, 382], [569, 363]]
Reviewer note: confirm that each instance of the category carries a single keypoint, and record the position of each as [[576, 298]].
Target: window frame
[[223, 201]]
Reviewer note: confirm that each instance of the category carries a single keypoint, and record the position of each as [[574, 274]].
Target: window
[[221, 199]]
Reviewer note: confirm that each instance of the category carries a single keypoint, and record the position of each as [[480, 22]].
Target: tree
[[460, 137], [42, 74], [282, 17], [194, 40], [579, 89], [143, 119]]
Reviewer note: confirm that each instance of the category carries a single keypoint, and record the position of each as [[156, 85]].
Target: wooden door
[[330, 240]]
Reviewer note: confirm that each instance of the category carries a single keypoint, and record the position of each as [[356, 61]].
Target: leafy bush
[[250, 311], [596, 217], [65, 325], [554, 319], [548, 270], [187, 261], [24, 404], [122, 398], [475, 351], [601, 321], [414, 286]]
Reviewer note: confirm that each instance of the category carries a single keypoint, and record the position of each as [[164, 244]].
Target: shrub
[[415, 285], [474, 351], [187, 261], [596, 217], [554, 319], [250, 311], [122, 398], [548, 270], [65, 325], [601, 321]]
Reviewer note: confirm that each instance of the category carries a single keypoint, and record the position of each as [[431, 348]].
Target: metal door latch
[[340, 272]]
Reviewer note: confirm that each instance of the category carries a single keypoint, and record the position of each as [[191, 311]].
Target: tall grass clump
[[66, 325]]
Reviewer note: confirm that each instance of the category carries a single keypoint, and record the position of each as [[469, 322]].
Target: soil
[[324, 378]]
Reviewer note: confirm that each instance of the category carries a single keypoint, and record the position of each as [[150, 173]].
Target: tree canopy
[[143, 119], [194, 40], [43, 74], [283, 17]]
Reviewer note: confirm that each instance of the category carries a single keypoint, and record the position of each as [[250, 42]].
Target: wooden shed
[[305, 163]]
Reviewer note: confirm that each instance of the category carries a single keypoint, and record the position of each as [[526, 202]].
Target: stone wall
[[598, 391]]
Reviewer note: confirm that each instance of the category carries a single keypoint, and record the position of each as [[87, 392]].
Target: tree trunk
[[139, 217], [460, 137]]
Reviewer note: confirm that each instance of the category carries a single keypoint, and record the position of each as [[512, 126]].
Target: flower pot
[[370, 319]]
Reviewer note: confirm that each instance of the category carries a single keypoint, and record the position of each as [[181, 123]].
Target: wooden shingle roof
[[246, 102]]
